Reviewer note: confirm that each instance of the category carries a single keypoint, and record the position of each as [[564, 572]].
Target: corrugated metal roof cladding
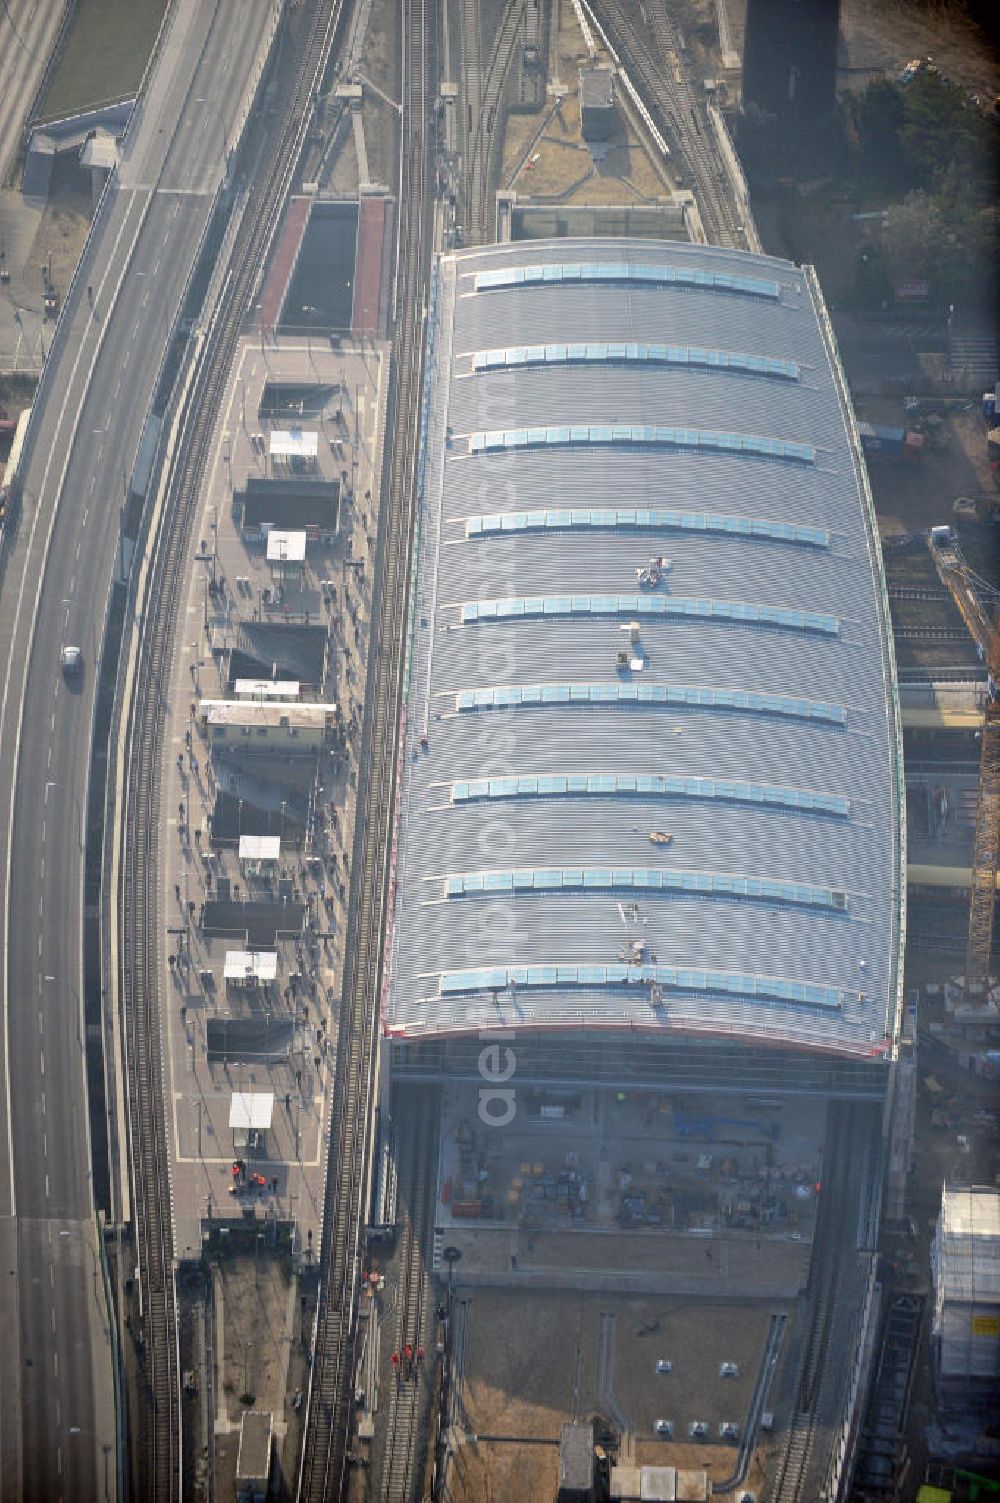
[[851, 955]]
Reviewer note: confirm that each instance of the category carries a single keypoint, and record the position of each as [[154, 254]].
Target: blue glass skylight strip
[[631, 354], [643, 879], [510, 696], [639, 433], [745, 612], [656, 276], [732, 984], [649, 785], [488, 524]]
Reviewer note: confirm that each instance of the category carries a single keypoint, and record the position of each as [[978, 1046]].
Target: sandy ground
[[886, 34], [875, 35], [377, 66], [561, 168], [526, 1390], [917, 494], [380, 64]]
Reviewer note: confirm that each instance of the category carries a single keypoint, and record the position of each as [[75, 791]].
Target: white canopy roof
[[294, 443], [285, 547], [260, 965], [267, 688], [260, 847], [251, 1110]]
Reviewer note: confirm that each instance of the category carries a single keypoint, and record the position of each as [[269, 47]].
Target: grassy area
[[104, 56]]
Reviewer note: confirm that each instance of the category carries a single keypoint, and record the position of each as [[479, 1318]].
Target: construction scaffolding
[[984, 857], [977, 601], [966, 1270]]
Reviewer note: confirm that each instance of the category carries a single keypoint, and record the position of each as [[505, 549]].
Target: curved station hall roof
[[651, 774]]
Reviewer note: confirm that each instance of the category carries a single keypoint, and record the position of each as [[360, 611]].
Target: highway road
[[57, 1421]]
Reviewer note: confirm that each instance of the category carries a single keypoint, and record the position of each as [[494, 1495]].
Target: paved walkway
[[24, 333], [28, 30]]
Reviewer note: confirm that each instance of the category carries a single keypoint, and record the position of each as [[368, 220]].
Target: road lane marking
[[41, 1060], [38, 576]]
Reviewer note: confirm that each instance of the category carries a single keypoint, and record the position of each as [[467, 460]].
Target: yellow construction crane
[[976, 600]]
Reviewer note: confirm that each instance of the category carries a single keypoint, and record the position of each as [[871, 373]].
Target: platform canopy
[[294, 443], [251, 965], [285, 547], [251, 1110], [260, 847], [267, 688]]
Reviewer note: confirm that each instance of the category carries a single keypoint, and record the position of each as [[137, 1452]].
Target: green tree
[[943, 127], [914, 236], [950, 239], [878, 113], [911, 136]]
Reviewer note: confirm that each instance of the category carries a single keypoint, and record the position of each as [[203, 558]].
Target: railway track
[[157, 1437], [843, 1138], [483, 90], [931, 633], [649, 45], [963, 674], [328, 1416], [404, 1460], [917, 592]]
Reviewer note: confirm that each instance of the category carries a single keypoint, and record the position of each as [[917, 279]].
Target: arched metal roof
[[637, 790]]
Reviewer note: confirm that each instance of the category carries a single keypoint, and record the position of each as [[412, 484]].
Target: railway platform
[[258, 795]]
